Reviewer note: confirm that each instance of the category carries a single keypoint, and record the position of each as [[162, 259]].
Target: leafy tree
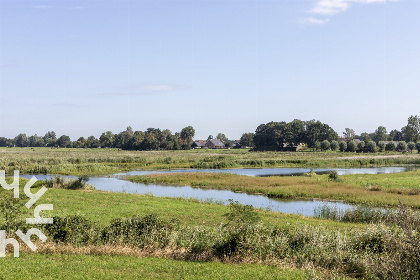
[[381, 146], [317, 132], [150, 142], [334, 145], [21, 140], [390, 146], [4, 142], [36, 141], [247, 140], [365, 137], [50, 138], [411, 132], [418, 147], [411, 146], [325, 145], [64, 141], [124, 138], [222, 138], [352, 146], [210, 137], [402, 146], [92, 142], [395, 135], [187, 135], [270, 136], [81, 143], [295, 132], [371, 147], [349, 134], [343, 146], [107, 139], [361, 145], [380, 134], [137, 140], [317, 145]]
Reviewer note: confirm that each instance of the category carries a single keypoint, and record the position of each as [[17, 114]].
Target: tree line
[[280, 136], [272, 136], [151, 139]]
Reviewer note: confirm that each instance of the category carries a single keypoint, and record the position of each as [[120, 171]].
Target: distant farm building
[[215, 144], [199, 144]]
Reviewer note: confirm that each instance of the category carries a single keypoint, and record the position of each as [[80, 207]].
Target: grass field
[[68, 266], [105, 235], [389, 188], [108, 161]]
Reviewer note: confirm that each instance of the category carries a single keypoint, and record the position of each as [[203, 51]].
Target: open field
[[72, 266], [390, 188], [108, 161], [119, 235]]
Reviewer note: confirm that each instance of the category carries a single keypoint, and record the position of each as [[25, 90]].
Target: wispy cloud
[[327, 8], [41, 7], [316, 20]]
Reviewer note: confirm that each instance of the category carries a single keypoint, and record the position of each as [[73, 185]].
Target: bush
[[418, 147], [411, 146], [402, 146], [381, 146], [334, 145], [72, 229], [343, 146], [361, 146], [351, 146], [325, 145], [371, 147], [390, 146], [333, 176]]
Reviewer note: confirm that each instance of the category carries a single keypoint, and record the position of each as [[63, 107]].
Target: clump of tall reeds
[[59, 182]]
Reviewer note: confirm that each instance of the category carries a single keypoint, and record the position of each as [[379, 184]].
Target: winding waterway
[[115, 183]]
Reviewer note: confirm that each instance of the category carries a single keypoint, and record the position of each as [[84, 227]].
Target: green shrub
[[402, 146], [325, 145], [334, 145], [333, 176], [343, 146]]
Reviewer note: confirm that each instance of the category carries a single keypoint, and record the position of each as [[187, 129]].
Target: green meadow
[[106, 235], [109, 161]]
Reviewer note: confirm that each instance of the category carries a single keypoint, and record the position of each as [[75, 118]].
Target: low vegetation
[[108, 161], [349, 188]]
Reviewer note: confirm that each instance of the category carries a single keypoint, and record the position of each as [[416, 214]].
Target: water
[[262, 172], [304, 207], [114, 184]]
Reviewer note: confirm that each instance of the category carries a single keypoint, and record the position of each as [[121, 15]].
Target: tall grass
[[383, 250], [105, 161]]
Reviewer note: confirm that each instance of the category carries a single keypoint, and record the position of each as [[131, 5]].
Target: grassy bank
[[108, 161], [79, 266], [391, 188]]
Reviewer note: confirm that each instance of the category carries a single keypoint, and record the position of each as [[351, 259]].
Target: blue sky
[[84, 67]]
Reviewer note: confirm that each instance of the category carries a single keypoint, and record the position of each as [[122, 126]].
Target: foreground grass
[[352, 188], [109, 161], [102, 207], [64, 266]]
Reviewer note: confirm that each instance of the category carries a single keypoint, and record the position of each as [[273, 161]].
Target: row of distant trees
[[367, 147], [272, 136], [151, 139], [281, 135]]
